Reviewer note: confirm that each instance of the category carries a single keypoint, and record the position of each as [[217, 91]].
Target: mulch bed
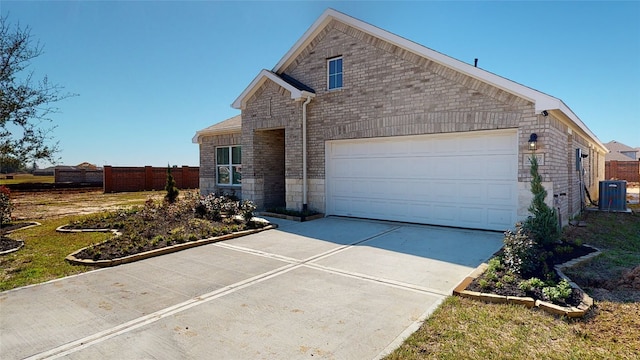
[[6, 243], [512, 289]]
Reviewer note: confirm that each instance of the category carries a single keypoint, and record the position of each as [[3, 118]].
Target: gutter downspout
[[304, 153]]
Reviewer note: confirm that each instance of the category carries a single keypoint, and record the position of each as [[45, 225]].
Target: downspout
[[304, 153]]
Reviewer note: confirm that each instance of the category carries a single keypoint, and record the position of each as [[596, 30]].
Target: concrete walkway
[[333, 288]]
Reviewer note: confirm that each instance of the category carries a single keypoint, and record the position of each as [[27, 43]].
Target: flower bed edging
[[33, 224], [151, 253], [14, 249], [569, 311]]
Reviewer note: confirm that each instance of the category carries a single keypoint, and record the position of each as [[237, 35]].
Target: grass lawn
[[42, 257], [26, 178], [467, 329]]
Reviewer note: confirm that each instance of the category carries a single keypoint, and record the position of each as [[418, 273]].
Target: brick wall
[[121, 179], [623, 170], [78, 176], [389, 91], [208, 146]]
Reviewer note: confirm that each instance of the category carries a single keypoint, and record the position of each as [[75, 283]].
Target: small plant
[[247, 208], [531, 284], [558, 293], [508, 279], [563, 249], [520, 255], [172, 190], [483, 283], [494, 265], [6, 206]]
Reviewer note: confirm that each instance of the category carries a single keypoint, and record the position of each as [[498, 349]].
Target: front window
[[229, 165], [334, 73]]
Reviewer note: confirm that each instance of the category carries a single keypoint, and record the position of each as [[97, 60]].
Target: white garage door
[[462, 179]]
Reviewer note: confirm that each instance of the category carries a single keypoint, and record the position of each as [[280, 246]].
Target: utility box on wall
[[613, 195]]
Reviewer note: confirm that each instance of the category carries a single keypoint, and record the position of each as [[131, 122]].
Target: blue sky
[[149, 74]]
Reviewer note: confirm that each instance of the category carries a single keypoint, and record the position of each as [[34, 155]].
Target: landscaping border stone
[[32, 224], [569, 311], [14, 249], [156, 252]]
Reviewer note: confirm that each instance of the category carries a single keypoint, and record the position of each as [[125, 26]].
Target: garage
[[457, 179]]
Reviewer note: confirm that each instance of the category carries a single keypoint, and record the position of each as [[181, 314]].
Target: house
[[356, 121], [622, 162]]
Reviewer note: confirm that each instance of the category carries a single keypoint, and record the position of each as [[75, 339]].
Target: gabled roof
[[616, 156], [615, 146], [297, 89], [541, 100], [231, 125]]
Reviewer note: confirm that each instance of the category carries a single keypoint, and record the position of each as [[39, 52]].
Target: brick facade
[[389, 91], [208, 164]]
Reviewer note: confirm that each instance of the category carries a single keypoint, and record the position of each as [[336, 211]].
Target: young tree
[[172, 190], [25, 103], [543, 224]]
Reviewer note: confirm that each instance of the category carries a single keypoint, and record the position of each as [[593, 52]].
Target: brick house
[[357, 121]]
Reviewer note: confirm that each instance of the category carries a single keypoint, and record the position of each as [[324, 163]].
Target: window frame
[[230, 166], [336, 74]]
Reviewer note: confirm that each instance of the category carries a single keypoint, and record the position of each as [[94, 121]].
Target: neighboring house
[[357, 121], [622, 162], [616, 148]]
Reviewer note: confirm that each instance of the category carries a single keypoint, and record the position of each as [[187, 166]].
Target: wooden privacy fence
[[148, 178]]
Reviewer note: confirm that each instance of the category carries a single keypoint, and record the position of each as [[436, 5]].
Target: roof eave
[[264, 75], [200, 134]]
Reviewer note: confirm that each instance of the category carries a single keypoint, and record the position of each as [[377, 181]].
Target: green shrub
[[494, 265], [172, 190], [543, 222], [531, 284], [558, 293], [520, 253], [483, 283]]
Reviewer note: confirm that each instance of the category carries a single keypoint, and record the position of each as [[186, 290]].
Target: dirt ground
[[38, 205]]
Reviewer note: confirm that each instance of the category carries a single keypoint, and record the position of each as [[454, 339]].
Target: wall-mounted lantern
[[533, 142]]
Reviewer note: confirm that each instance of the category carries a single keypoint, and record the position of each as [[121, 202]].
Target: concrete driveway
[[333, 288]]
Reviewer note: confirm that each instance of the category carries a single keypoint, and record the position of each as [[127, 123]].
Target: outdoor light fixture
[[545, 113], [533, 142]]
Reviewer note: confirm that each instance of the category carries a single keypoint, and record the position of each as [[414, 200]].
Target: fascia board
[[576, 120], [258, 81], [200, 134]]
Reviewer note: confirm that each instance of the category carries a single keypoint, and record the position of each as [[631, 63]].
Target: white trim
[[264, 75], [541, 100], [329, 60], [229, 166]]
